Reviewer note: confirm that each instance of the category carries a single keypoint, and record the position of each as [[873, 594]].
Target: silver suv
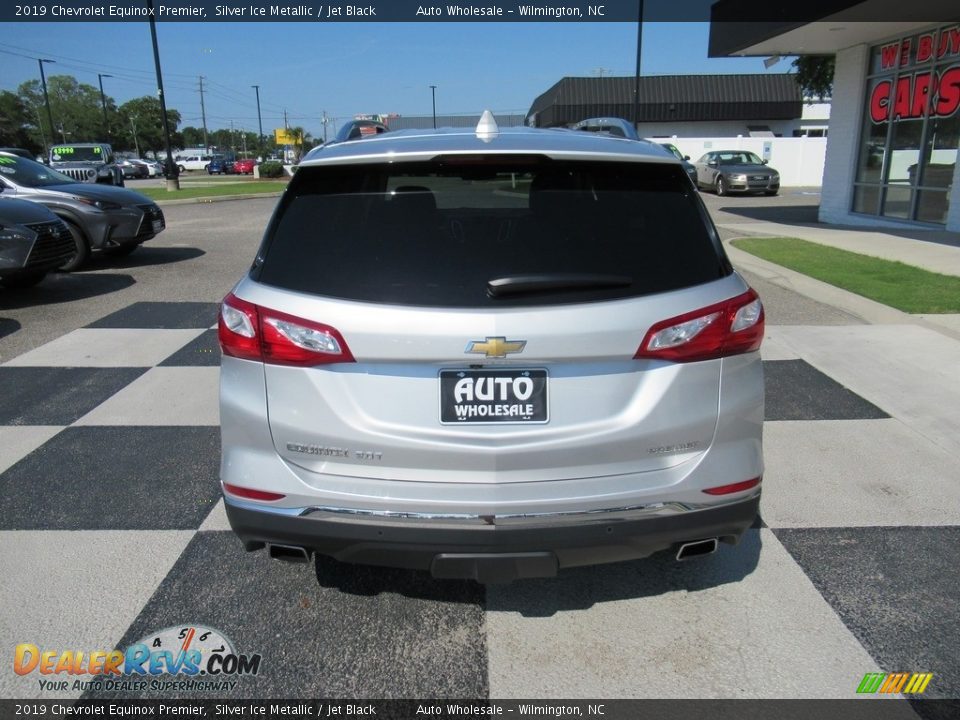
[[490, 355]]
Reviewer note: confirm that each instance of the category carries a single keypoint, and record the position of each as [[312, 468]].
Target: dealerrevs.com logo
[[179, 658]]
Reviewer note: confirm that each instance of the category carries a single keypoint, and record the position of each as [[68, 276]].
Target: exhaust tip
[[697, 548], [289, 553]]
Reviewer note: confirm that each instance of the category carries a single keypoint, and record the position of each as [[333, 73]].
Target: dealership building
[[891, 156]]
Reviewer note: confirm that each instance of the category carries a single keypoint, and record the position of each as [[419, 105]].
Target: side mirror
[[712, 163], [686, 157], [764, 162]]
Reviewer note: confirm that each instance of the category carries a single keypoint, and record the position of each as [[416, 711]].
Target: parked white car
[[192, 162]]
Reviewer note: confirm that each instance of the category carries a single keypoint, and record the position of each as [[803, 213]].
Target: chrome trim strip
[[602, 515]]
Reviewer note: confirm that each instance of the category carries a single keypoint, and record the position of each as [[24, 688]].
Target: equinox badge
[[495, 347]]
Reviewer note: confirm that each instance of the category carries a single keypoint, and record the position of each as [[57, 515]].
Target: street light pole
[[636, 85], [259, 121], [433, 97], [103, 103], [173, 180], [46, 99]]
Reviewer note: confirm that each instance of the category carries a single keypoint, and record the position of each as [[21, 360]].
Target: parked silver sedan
[[490, 355], [727, 171], [101, 217]]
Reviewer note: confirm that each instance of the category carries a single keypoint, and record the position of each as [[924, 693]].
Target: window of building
[[911, 127]]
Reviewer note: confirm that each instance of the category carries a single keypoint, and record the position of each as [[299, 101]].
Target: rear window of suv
[[482, 231]]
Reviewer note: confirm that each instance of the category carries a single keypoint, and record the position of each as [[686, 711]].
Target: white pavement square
[[76, 590], [854, 473], [734, 631], [163, 396], [882, 364], [16, 442], [106, 347]]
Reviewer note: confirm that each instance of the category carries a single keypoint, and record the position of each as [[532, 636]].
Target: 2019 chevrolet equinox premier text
[[491, 355]]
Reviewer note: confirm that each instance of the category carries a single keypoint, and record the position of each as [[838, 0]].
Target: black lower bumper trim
[[490, 553]]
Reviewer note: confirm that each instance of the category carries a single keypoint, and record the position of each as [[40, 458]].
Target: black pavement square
[[57, 395], [202, 351], [795, 390], [895, 588], [161, 316], [114, 478], [323, 629]]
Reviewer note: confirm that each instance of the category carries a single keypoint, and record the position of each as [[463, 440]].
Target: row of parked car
[[215, 164], [722, 171], [49, 220]]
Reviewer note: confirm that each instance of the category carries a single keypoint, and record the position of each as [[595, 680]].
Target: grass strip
[[905, 287], [219, 190]]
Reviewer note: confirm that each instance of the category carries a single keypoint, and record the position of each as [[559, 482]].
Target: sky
[[350, 68]]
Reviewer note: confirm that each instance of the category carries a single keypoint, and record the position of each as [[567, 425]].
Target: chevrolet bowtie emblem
[[495, 347]]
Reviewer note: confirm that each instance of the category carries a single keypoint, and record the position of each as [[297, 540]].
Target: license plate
[[469, 397], [157, 226]]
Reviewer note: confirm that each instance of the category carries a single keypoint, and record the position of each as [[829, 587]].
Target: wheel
[[23, 280], [720, 185], [181, 168], [121, 250], [82, 245], [209, 171]]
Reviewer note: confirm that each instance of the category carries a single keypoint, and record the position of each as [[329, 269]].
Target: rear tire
[[720, 186], [24, 280], [181, 168], [82, 245]]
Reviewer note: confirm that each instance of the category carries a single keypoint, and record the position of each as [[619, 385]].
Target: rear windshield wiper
[[519, 284]]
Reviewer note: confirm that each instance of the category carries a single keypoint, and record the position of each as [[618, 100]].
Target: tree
[[143, 126], [815, 75], [192, 136], [17, 128], [76, 109]]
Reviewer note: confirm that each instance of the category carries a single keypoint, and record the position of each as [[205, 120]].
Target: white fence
[[798, 160]]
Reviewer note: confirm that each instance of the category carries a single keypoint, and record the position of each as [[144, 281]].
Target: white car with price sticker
[[490, 354]]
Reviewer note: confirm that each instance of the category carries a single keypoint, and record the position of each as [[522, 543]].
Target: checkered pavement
[[112, 527]]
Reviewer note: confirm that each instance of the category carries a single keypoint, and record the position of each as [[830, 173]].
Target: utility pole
[[259, 122], [46, 99], [173, 182], [103, 103], [433, 96], [43, 138], [636, 85], [233, 140], [133, 125], [286, 125], [325, 126], [62, 133], [203, 115]]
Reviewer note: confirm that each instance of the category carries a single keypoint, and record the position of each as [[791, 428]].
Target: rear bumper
[[483, 551]]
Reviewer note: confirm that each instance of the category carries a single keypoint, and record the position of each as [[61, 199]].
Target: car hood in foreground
[[21, 212]]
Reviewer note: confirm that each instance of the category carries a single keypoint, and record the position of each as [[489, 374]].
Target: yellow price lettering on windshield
[[63, 150]]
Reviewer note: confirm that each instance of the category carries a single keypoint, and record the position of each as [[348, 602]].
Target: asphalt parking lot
[[113, 530]]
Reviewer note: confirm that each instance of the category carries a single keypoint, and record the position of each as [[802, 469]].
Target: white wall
[[798, 160]]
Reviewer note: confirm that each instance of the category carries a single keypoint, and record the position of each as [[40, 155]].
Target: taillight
[[253, 332], [251, 494], [733, 487], [728, 328]]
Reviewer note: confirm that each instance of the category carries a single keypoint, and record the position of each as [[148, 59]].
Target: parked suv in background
[[490, 355], [33, 241], [101, 217], [87, 162]]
